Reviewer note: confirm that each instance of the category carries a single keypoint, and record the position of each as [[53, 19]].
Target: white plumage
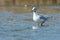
[[39, 19]]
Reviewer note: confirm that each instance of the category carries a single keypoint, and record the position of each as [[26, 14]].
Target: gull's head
[[34, 8]]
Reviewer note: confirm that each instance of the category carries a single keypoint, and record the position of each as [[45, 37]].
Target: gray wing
[[43, 18]]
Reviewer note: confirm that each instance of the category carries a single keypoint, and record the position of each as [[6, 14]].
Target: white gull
[[39, 19]]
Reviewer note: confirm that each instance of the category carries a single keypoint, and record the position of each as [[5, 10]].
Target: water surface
[[18, 26]]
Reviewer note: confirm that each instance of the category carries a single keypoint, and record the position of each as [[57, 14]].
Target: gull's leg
[[38, 24], [42, 23]]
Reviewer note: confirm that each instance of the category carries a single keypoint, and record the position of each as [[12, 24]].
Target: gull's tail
[[50, 18]]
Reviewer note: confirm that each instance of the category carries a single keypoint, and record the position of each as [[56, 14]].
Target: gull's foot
[[44, 25]]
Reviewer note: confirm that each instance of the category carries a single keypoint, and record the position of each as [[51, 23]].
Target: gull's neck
[[35, 13]]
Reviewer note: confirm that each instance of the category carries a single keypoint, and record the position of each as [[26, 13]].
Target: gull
[[39, 19]]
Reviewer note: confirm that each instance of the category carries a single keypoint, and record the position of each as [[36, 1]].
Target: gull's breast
[[36, 19]]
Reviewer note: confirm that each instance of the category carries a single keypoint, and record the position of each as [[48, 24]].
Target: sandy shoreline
[[26, 10]]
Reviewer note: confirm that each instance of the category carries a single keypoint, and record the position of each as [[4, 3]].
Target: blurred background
[[26, 5]]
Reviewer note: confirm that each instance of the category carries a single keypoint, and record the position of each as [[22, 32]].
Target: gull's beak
[[33, 8]]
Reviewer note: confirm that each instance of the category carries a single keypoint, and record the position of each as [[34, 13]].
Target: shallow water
[[15, 26]]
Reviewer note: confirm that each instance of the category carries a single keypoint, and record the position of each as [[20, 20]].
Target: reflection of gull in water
[[39, 19]]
